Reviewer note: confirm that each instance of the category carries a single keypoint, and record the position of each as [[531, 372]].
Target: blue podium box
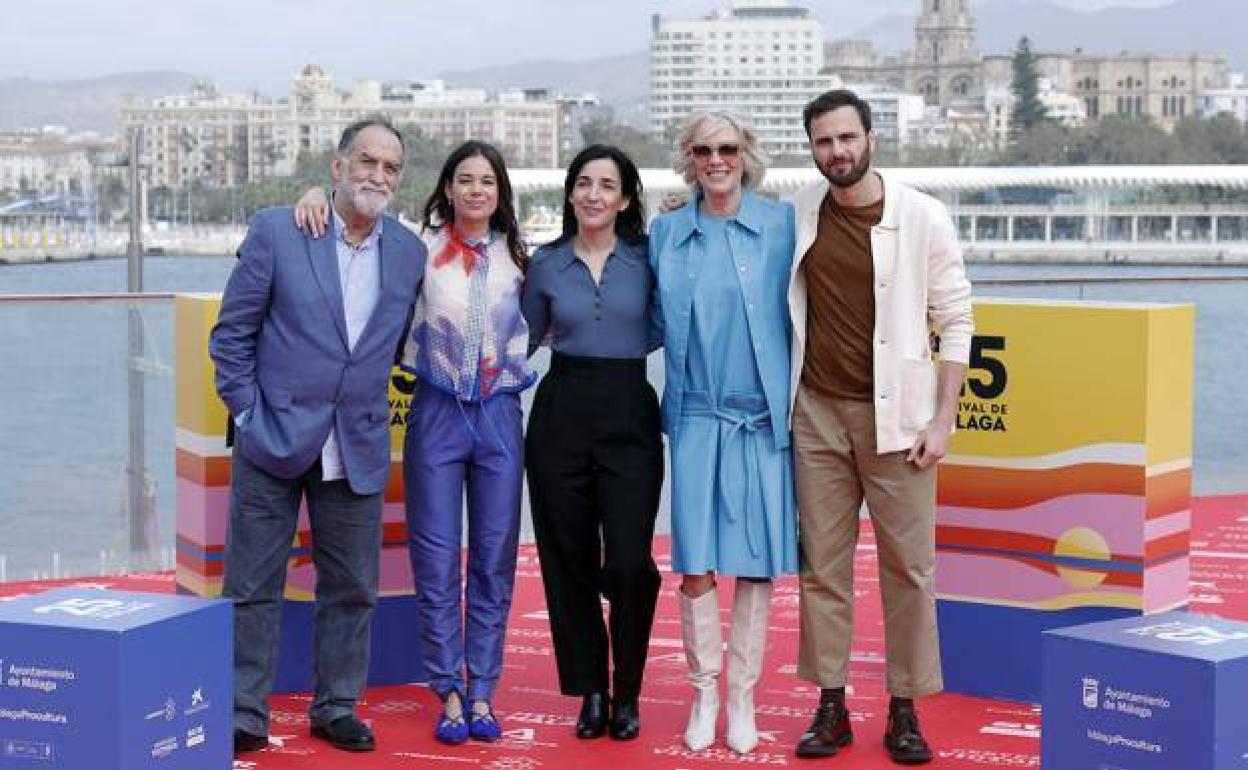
[[1158, 692], [111, 680]]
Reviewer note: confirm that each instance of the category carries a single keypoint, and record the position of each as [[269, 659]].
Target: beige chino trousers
[[836, 468]]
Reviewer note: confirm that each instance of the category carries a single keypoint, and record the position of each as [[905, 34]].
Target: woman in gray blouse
[[594, 454]]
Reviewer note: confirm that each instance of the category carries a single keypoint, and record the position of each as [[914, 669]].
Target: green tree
[[111, 197], [214, 204], [1028, 111], [1220, 139], [645, 151], [422, 164], [159, 203], [1046, 144], [1125, 140], [312, 165], [312, 169], [960, 150]]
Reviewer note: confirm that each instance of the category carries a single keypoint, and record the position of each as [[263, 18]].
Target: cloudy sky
[[262, 43]]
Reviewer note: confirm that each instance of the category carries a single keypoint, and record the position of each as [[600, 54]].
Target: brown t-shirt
[[840, 307]]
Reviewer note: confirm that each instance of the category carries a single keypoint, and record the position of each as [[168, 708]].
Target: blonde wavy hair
[[700, 124]]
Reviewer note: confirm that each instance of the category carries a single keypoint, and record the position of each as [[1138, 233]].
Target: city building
[[961, 126], [947, 69], [46, 162], [202, 135], [222, 140], [944, 65], [895, 115], [1062, 107], [1231, 100], [759, 58], [1165, 87], [575, 112]]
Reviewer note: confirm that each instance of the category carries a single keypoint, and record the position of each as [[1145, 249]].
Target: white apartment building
[[894, 115], [222, 140], [42, 163], [1062, 107], [759, 58], [1231, 100], [949, 126]]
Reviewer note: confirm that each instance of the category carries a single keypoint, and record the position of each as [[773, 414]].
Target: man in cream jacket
[[877, 283]]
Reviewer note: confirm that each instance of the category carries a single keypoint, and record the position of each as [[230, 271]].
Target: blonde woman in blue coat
[[722, 267]]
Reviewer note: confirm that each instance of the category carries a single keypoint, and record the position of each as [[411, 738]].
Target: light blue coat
[[764, 230]]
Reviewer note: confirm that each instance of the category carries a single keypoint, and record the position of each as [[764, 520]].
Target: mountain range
[[92, 104], [622, 81]]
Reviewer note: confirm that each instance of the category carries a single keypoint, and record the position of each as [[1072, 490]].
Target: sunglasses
[[725, 151]]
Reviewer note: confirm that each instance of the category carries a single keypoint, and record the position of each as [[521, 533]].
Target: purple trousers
[[452, 449]]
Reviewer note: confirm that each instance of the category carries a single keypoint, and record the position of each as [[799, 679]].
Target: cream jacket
[[920, 288]]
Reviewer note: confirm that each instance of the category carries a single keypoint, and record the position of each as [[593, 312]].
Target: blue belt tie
[[739, 424]]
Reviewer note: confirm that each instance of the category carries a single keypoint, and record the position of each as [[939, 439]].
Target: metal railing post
[[139, 512]]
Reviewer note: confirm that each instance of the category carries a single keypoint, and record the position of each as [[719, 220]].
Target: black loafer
[[347, 733], [592, 722], [245, 742], [828, 733], [625, 720], [903, 739]]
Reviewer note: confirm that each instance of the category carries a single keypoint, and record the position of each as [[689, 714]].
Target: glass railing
[[87, 434], [86, 459]]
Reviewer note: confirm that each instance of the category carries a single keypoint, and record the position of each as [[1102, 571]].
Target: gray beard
[[367, 204]]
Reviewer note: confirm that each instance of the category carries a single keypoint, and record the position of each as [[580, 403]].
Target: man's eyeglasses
[[725, 151]]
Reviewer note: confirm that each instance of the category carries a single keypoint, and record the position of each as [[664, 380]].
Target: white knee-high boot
[[747, 639], [704, 642]]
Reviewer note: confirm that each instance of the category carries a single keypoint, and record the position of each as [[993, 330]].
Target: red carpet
[[965, 732]]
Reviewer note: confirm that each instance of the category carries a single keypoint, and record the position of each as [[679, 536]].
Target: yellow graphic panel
[[1171, 340], [198, 408], [1046, 377]]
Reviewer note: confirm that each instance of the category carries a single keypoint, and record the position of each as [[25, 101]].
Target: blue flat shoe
[[451, 730], [484, 727]]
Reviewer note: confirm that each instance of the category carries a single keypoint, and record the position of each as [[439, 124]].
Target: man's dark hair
[[834, 100], [351, 131]]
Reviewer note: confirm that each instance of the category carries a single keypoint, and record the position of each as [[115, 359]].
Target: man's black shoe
[[625, 719], [245, 742], [828, 732], [903, 739], [592, 722], [347, 733]]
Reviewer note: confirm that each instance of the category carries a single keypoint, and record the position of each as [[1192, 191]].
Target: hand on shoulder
[[312, 212]]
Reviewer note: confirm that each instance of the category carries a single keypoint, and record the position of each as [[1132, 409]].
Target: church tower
[[945, 66], [944, 33]]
